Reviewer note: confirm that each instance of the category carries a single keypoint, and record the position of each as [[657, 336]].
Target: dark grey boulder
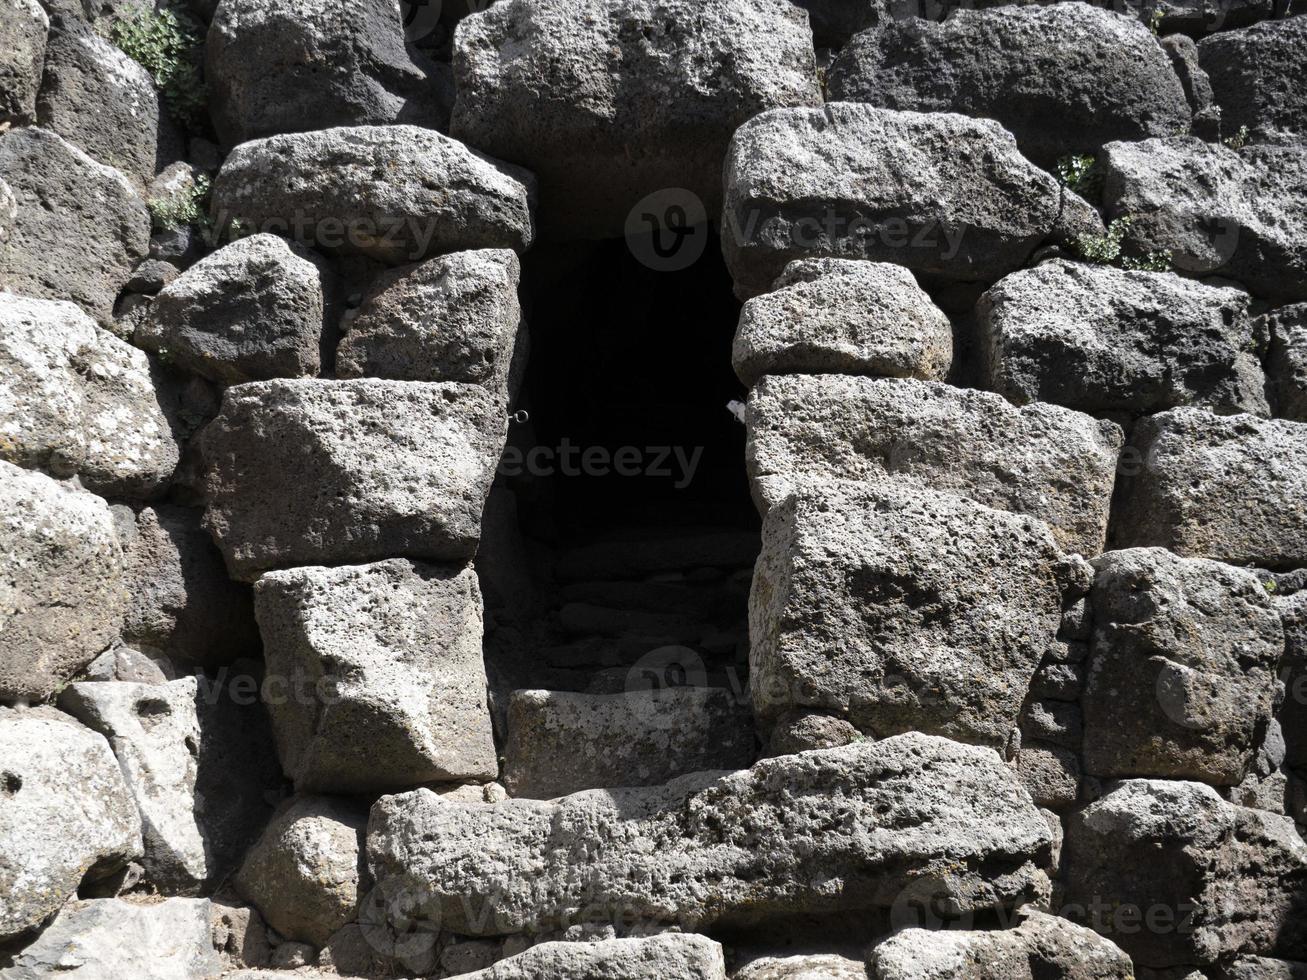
[[1063, 78], [1100, 339], [1256, 75], [273, 66], [608, 101], [23, 32], [1286, 369]]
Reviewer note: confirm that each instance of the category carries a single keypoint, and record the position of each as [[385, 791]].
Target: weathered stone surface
[[239, 933], [452, 318], [835, 316], [673, 956], [23, 29], [305, 472], [816, 966], [1293, 671], [121, 939], [1041, 947], [836, 829], [901, 609], [1286, 368], [273, 67], [394, 193], [799, 731], [1232, 488], [303, 873], [1050, 774], [180, 602], [77, 401], [198, 765], [388, 659], [65, 814], [828, 182], [79, 228], [1100, 339], [1263, 968], [611, 100], [1064, 78], [1239, 215], [1042, 460], [1256, 74], [60, 596], [1183, 53], [253, 310], [1175, 875], [561, 743], [1182, 672], [100, 100]]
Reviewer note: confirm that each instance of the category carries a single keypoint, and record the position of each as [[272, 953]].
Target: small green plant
[[1155, 20], [1079, 173], [164, 43], [1239, 140], [1270, 585], [186, 207], [1106, 249]]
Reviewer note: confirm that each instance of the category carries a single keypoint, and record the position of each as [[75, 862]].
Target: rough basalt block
[[1256, 74], [1287, 365], [1063, 78], [834, 316], [828, 182], [673, 956], [65, 814], [1230, 488], [385, 687], [393, 193], [24, 26], [560, 743], [309, 472], [1100, 339], [61, 599], [77, 401], [611, 100], [831, 830], [1042, 460], [901, 609], [1182, 671]]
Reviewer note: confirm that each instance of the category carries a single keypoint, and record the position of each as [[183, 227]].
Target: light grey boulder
[[1182, 672], [1240, 215], [253, 310], [198, 765], [23, 32], [674, 956], [803, 183], [77, 401], [1062, 78], [1264, 968], [1175, 875], [608, 101], [835, 316], [123, 939], [122, 663], [303, 872], [99, 99], [1231, 488], [1255, 75], [824, 831], [393, 193], [560, 743], [901, 609], [1201, 18], [1286, 368], [814, 966], [61, 599], [1042, 460], [1051, 774], [389, 659], [275, 67], [66, 815], [1183, 53], [1100, 339], [452, 318], [306, 471], [180, 602], [800, 730], [1040, 947], [79, 227]]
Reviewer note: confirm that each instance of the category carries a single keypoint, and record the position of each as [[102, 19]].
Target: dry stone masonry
[[653, 490]]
